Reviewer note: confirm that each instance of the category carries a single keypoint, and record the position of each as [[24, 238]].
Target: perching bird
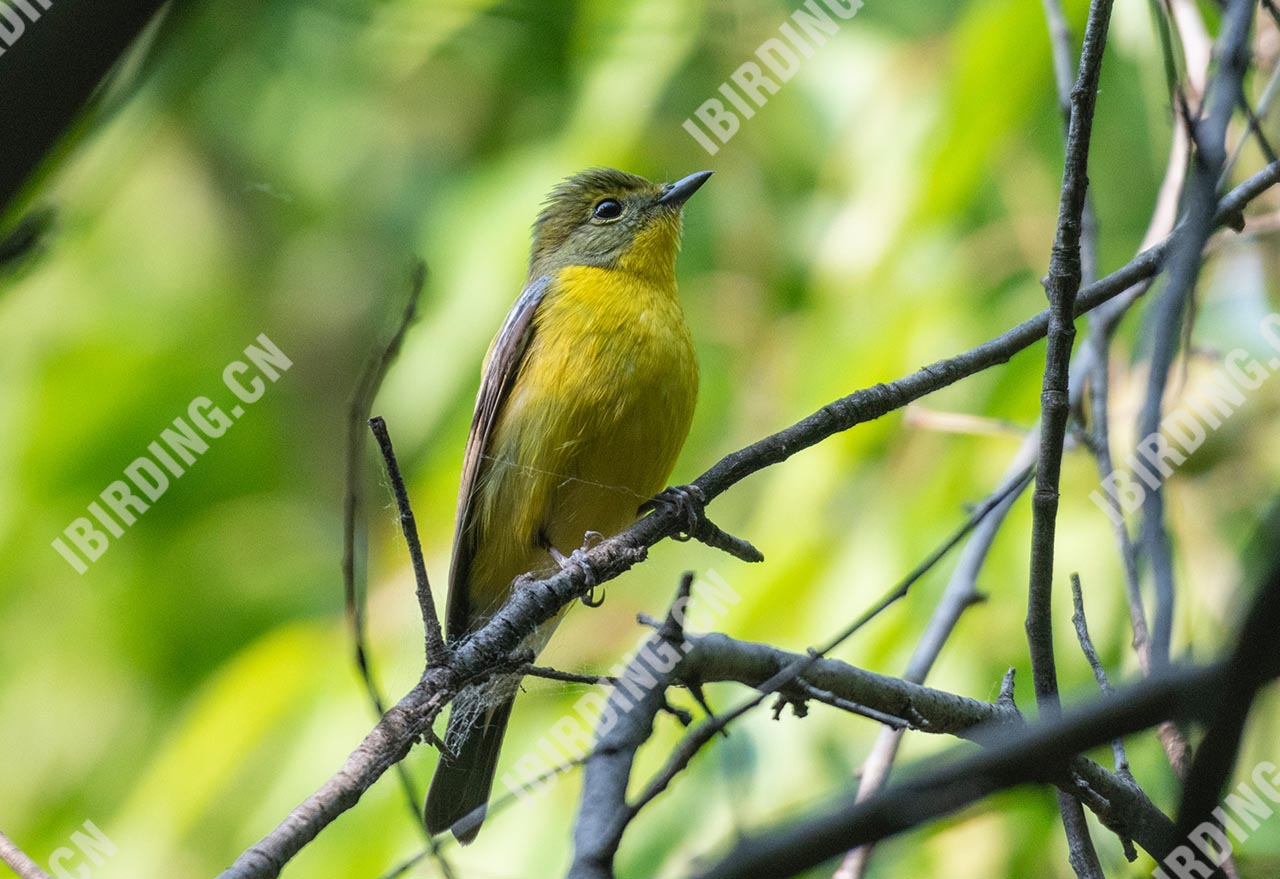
[[586, 399]]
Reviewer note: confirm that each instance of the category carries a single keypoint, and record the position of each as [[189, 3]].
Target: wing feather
[[501, 367]]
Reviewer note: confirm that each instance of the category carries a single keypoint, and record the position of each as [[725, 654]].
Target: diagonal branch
[[1036, 754], [1218, 693], [18, 861], [1253, 664], [604, 811]]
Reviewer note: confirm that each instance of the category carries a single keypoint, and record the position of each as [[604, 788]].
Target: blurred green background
[[275, 167]]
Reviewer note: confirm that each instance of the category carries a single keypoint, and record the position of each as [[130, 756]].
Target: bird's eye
[[607, 209]]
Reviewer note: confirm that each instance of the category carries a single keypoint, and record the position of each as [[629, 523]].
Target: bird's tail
[[459, 793]]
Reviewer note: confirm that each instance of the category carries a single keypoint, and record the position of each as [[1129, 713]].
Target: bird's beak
[[676, 194]]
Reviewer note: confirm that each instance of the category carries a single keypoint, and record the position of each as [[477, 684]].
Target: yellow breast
[[595, 419]]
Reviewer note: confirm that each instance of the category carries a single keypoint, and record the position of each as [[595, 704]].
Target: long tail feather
[[459, 793]]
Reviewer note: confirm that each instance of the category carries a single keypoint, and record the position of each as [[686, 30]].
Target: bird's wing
[[501, 367]]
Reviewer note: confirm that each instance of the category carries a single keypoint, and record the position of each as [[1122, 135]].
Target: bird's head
[[612, 219]]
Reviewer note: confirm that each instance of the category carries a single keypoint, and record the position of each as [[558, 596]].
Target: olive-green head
[[612, 219]]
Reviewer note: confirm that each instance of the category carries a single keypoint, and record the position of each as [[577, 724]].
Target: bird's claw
[[687, 501], [578, 560]]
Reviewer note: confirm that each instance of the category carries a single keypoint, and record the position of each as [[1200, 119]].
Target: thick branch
[[1254, 663], [1036, 754], [604, 811]]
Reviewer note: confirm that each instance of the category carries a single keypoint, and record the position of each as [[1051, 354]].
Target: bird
[[586, 398]]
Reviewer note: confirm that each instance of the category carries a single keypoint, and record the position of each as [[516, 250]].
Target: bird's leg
[[578, 559], [687, 501]]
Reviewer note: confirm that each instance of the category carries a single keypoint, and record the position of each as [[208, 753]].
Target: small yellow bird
[[586, 399]]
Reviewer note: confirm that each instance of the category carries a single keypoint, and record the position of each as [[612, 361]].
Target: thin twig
[[1183, 271], [1090, 652], [354, 586], [826, 697], [367, 388], [1035, 754], [959, 595], [1063, 286], [1264, 104], [567, 677], [437, 651], [686, 750], [1081, 623], [1011, 489], [16, 859]]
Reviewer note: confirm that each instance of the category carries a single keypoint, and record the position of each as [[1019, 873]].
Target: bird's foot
[[687, 501], [578, 560]]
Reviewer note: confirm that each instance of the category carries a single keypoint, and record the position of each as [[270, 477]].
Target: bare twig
[[1253, 664], [826, 697], [1100, 675], [960, 594], [1035, 754], [16, 859], [437, 651], [567, 677], [1062, 287], [976, 516], [1183, 271], [354, 593], [367, 387]]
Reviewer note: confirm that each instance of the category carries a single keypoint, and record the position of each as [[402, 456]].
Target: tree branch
[[437, 651], [1062, 286], [16, 859], [1254, 663], [354, 585], [1036, 754], [1183, 271]]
